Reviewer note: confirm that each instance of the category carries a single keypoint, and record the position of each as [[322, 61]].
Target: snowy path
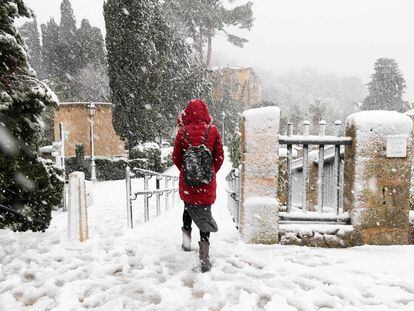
[[145, 268]]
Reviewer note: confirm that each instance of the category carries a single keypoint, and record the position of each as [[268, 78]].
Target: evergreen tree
[[317, 112], [68, 48], [92, 82], [50, 51], [386, 87], [29, 189], [30, 33], [92, 45], [201, 20], [235, 149], [150, 72]]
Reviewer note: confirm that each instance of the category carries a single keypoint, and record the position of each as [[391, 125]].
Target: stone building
[[76, 121], [242, 83]]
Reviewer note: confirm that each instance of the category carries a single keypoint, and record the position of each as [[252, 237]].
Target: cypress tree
[[92, 45], [151, 75], [50, 50], [30, 33], [29, 188], [68, 50]]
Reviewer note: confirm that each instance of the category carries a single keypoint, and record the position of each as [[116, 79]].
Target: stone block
[[378, 174]]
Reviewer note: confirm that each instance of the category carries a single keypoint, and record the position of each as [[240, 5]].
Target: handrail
[[147, 193], [152, 173], [151, 192]]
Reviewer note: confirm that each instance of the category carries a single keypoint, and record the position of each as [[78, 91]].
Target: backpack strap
[[206, 134], [187, 137]]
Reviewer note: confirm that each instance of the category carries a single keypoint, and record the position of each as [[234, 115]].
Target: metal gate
[[328, 158]]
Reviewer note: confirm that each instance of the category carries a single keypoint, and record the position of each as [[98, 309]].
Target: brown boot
[[186, 240], [204, 256]]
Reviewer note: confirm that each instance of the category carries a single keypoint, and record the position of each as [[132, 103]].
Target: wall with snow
[[378, 174], [260, 153]]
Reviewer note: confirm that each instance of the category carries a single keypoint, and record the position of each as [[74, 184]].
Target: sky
[[343, 37]]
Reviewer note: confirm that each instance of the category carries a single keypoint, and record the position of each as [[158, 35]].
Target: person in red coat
[[196, 120]]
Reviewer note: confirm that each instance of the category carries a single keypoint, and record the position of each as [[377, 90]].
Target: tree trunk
[[200, 48], [209, 45]]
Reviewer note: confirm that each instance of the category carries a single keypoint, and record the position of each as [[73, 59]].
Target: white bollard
[[77, 210]]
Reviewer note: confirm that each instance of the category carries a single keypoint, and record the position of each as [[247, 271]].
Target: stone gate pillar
[[377, 175], [260, 153]]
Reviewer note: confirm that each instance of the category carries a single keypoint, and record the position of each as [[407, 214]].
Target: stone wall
[[75, 118]]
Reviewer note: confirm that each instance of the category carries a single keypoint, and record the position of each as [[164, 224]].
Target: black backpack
[[198, 162]]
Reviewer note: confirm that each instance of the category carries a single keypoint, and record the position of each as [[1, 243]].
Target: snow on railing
[[168, 191], [332, 175], [233, 195]]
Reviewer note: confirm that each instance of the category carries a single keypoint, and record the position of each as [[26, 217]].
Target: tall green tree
[[202, 20], [74, 59], [92, 45], [50, 50], [386, 87], [151, 75], [31, 36], [68, 48], [92, 82], [28, 187]]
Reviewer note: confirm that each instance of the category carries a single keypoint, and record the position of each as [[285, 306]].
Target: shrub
[[151, 152], [235, 149]]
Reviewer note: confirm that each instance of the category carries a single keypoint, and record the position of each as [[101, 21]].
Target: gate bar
[[305, 189], [289, 168], [321, 163]]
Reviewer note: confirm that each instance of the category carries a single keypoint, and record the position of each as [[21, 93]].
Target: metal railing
[[233, 195], [329, 176], [169, 191]]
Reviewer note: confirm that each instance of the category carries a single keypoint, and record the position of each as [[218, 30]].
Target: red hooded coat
[[196, 120]]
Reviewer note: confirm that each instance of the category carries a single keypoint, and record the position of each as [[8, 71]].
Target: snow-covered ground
[[145, 268]]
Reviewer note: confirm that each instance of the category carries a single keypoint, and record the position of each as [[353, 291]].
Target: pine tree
[[30, 33], [201, 20], [29, 189], [150, 72], [386, 87]]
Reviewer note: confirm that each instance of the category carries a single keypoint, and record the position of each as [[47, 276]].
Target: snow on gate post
[[260, 152], [77, 212], [377, 175]]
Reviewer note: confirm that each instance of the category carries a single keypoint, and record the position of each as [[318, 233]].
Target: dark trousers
[[204, 236]]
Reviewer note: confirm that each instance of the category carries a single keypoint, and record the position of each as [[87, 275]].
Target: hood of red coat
[[196, 112]]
